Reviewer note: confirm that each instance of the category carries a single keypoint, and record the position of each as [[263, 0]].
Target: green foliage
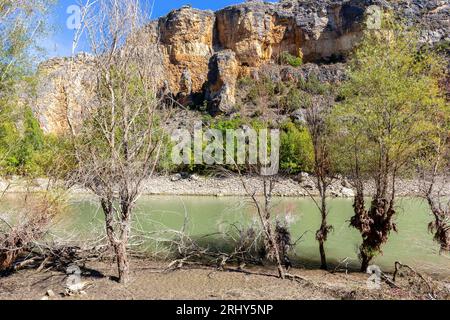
[[244, 82], [31, 143], [385, 120], [265, 88], [222, 124], [287, 58], [314, 86], [23, 145], [24, 149], [296, 150], [389, 100], [295, 99], [23, 23]]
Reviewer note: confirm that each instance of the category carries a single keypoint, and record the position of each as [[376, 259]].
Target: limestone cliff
[[59, 96], [205, 52]]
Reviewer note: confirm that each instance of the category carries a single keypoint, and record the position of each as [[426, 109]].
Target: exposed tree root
[[409, 279]]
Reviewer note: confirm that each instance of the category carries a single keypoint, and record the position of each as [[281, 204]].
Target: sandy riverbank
[[148, 281]]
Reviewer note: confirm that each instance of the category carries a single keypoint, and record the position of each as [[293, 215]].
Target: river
[[412, 245]]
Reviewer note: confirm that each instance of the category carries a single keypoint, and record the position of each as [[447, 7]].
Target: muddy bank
[[148, 281], [194, 185]]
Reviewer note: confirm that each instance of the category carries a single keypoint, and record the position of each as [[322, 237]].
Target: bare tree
[[316, 123], [117, 142], [276, 236], [273, 246]]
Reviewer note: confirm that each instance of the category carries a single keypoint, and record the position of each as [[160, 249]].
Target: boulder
[[222, 78], [347, 193], [176, 177], [194, 177]]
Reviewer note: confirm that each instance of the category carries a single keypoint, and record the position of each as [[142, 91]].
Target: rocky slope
[[205, 52]]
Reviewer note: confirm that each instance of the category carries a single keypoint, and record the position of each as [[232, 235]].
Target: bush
[[296, 151], [244, 82], [287, 58], [264, 88], [295, 99], [24, 148], [314, 86], [34, 215]]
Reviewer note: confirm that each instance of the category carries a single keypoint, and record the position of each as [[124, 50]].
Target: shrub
[[244, 82], [314, 86], [287, 58], [24, 148], [296, 151], [295, 99]]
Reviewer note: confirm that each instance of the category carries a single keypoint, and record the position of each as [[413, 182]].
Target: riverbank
[[149, 281], [194, 185]]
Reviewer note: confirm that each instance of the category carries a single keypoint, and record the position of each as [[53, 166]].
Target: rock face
[[260, 32], [205, 52], [61, 89], [222, 77], [186, 38]]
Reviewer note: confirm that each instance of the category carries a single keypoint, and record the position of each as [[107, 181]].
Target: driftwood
[[34, 216], [415, 280]]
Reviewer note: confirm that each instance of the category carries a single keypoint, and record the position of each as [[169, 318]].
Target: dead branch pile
[[243, 245], [26, 241], [33, 222], [237, 245], [58, 257]]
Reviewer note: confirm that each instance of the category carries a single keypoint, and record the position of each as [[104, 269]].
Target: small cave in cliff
[[351, 15]]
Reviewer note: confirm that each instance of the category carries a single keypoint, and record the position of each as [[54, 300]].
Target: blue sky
[[59, 41]]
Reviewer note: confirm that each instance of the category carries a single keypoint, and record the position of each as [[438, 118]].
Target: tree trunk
[[322, 234], [119, 246], [323, 257], [123, 265], [365, 261], [274, 246]]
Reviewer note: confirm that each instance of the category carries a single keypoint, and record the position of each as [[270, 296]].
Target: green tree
[[31, 143], [383, 121], [22, 23]]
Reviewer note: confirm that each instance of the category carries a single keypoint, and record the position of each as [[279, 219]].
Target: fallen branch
[[399, 265]]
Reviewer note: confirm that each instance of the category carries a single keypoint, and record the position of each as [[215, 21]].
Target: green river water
[[412, 245]]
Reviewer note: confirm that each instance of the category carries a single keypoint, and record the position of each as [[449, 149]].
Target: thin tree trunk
[[274, 247], [365, 261], [323, 257], [324, 227], [123, 265], [322, 234], [119, 246], [268, 186]]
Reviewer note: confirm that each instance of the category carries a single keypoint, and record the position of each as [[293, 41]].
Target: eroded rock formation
[[205, 52]]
